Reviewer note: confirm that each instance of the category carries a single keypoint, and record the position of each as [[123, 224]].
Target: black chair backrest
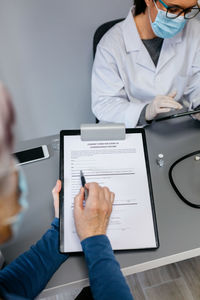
[[101, 30]]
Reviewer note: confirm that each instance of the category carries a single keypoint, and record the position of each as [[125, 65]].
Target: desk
[[178, 224]]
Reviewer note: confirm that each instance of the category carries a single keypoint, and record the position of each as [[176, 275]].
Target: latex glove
[[92, 219], [55, 192], [161, 104]]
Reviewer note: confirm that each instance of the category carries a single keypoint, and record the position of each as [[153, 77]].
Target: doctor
[[149, 62]]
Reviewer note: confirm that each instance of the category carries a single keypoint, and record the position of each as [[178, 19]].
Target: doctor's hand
[[161, 104], [92, 219]]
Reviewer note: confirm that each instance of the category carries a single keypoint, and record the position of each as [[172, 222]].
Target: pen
[[83, 182]]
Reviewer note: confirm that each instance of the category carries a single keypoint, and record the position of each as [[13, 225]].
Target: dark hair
[[140, 6]]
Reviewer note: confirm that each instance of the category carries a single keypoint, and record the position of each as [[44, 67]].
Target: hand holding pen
[[92, 216], [83, 182]]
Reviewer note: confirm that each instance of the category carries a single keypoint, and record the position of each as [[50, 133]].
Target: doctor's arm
[[192, 93], [106, 279], [109, 99], [30, 272]]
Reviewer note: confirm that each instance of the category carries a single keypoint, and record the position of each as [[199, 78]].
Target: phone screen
[[29, 155]]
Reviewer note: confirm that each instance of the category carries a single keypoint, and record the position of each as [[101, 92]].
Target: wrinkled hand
[[161, 104], [93, 219], [55, 192]]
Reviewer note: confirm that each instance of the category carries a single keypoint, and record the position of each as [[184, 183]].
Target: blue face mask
[[16, 220], [164, 27]]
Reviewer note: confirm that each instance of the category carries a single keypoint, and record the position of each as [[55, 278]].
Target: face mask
[[16, 220], [164, 27]]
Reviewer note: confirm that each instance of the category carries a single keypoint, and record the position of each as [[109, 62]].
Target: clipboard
[[178, 115], [92, 134]]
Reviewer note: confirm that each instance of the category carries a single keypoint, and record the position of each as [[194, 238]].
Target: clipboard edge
[[61, 177]]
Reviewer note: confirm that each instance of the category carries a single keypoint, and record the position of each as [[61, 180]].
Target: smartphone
[[32, 155]]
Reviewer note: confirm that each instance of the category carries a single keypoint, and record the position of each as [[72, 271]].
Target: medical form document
[[122, 166]]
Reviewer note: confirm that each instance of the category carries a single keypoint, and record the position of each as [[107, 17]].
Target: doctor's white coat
[[125, 79]]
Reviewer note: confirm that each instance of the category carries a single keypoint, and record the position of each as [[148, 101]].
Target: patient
[[27, 276]]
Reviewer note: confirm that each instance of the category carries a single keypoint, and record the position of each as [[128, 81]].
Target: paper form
[[119, 165]]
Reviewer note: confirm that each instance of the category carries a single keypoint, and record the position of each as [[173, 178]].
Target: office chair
[[101, 30]]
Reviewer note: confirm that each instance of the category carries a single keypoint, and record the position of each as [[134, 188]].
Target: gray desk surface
[[178, 224]]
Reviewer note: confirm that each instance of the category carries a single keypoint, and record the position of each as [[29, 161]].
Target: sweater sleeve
[[106, 279], [29, 273]]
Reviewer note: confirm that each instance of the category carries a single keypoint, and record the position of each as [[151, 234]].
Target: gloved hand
[[161, 104]]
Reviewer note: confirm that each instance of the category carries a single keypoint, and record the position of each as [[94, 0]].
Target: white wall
[[46, 59]]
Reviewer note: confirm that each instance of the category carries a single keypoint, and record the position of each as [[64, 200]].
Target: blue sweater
[[27, 276]]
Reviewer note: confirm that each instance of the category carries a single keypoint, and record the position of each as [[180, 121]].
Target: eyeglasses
[[174, 12]]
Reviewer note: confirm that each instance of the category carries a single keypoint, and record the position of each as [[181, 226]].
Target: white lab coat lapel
[[168, 50], [133, 42], [166, 54], [144, 59]]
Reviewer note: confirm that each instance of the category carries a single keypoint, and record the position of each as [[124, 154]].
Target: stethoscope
[[173, 183]]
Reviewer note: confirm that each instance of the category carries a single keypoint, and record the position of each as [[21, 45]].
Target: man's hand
[[55, 193], [161, 104], [92, 219]]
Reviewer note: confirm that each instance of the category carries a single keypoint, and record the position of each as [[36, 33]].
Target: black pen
[[83, 182]]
